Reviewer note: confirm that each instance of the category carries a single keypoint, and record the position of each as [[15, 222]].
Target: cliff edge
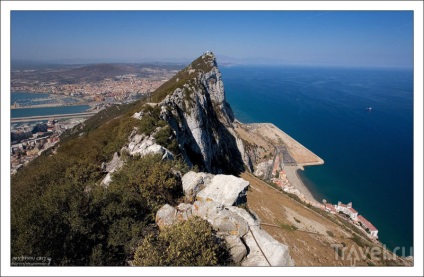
[[193, 104]]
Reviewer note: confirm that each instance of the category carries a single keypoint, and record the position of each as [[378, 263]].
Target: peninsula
[[175, 180]]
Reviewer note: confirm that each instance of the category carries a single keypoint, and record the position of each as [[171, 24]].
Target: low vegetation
[[185, 76], [189, 243], [77, 222], [59, 209]]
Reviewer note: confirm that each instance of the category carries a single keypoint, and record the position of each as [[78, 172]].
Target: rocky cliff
[[201, 119]]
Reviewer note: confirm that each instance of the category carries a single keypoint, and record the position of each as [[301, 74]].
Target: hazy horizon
[[317, 38]]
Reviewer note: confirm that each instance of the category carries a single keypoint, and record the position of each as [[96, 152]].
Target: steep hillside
[[92, 199], [193, 104], [126, 182], [314, 237]]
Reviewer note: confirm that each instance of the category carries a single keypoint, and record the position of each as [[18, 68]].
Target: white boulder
[[225, 189], [194, 182], [265, 250], [166, 216]]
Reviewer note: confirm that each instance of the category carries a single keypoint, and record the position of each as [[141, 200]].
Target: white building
[[347, 209], [367, 225]]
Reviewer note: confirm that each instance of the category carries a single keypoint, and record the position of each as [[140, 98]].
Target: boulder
[[115, 164], [229, 223], [225, 189], [142, 145], [107, 180], [166, 216], [252, 221], [184, 211], [237, 248], [265, 250], [194, 182], [224, 221], [138, 115], [249, 245]]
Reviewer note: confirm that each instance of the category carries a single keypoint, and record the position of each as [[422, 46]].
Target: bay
[[28, 98], [48, 111], [368, 154]]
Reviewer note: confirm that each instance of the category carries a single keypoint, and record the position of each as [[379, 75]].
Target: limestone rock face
[[225, 189], [237, 248], [249, 245], [202, 120], [115, 164], [265, 250], [138, 144], [194, 182], [166, 215], [224, 221], [263, 170], [143, 145]]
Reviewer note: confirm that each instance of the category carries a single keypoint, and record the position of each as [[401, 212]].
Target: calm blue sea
[[368, 155], [26, 98]]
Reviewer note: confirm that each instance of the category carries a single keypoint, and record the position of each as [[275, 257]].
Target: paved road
[[55, 116]]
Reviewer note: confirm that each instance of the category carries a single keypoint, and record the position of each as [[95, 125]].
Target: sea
[[368, 153], [28, 98]]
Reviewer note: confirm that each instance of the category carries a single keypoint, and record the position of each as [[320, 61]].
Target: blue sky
[[336, 38]]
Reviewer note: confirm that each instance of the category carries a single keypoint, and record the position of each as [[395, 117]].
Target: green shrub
[[189, 243], [152, 178]]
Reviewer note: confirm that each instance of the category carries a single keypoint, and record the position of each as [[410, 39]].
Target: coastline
[[267, 134], [303, 157], [296, 182]]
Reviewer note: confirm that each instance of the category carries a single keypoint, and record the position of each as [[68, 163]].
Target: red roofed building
[[352, 213], [347, 209], [367, 225], [330, 208]]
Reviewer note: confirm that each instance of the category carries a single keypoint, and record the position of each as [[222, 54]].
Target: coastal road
[[47, 117]]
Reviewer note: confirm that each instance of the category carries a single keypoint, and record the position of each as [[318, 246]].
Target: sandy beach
[[267, 136], [296, 182]]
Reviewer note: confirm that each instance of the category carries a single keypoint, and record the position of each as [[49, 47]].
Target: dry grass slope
[[308, 233]]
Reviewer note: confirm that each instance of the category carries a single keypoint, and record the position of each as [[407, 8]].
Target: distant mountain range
[[221, 59], [73, 74]]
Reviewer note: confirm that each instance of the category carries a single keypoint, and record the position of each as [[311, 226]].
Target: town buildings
[[351, 213]]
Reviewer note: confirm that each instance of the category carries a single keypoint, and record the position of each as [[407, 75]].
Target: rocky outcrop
[[115, 164], [194, 182], [138, 145], [143, 145], [166, 216], [202, 120], [238, 250], [263, 170], [265, 250], [248, 244], [227, 190]]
